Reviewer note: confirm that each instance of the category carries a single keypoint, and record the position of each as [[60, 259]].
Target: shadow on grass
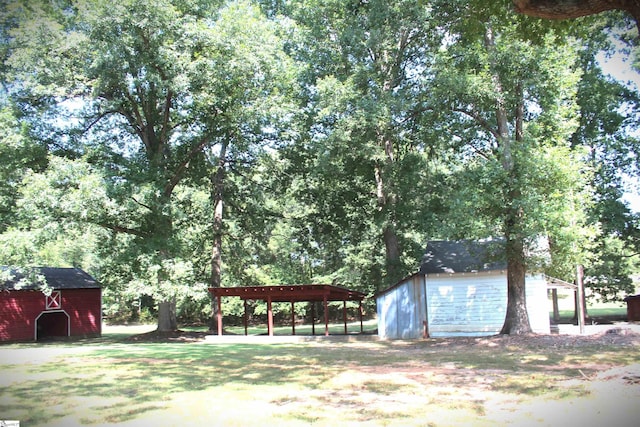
[[117, 381], [122, 382]]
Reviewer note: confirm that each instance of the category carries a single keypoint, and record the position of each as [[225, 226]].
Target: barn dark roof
[[463, 256], [57, 278]]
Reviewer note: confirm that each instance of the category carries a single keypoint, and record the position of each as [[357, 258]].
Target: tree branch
[[166, 115], [569, 9], [630, 255], [141, 204], [121, 229], [482, 122], [135, 120], [415, 113], [97, 118], [177, 176]]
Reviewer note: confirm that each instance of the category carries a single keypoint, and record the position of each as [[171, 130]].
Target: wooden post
[[219, 315], [580, 309], [313, 317], [269, 317], [326, 316], [360, 313], [554, 298], [293, 318], [246, 326], [344, 315]]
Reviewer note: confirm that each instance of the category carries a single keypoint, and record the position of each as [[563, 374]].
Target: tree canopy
[[171, 145]]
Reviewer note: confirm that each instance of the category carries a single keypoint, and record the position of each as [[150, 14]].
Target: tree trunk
[[216, 261], [162, 235], [386, 207], [568, 9], [167, 320], [216, 251], [517, 319], [392, 252], [217, 184]]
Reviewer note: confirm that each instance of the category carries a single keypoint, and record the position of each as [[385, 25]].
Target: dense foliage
[[167, 146]]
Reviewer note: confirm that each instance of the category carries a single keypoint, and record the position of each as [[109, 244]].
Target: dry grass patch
[[471, 381]]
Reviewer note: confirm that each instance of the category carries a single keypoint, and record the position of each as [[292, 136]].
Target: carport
[[292, 294]]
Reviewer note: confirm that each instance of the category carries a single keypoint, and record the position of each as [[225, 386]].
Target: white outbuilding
[[460, 290]]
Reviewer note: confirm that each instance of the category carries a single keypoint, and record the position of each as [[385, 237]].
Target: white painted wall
[[538, 304], [401, 311], [459, 304], [466, 304]]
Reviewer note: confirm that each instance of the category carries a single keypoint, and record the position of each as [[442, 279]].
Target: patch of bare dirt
[[618, 336]]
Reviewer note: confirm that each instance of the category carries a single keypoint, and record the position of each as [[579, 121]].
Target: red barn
[[74, 307]]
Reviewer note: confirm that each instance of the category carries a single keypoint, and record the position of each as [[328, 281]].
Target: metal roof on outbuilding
[[463, 256], [56, 278]]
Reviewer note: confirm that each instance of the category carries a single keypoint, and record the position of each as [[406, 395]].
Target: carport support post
[[246, 326], [360, 313], [293, 318], [269, 317], [326, 316], [313, 317], [219, 314], [344, 315]]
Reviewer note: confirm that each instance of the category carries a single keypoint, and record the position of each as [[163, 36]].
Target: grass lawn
[[595, 310], [543, 380]]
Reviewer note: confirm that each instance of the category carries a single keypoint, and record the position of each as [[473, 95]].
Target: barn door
[[51, 325]]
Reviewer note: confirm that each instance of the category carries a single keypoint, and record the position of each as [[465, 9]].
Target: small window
[[54, 301]]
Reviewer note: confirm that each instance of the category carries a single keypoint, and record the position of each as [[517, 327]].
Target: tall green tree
[[20, 154], [608, 121], [46, 228], [164, 86], [608, 124], [367, 143], [508, 104]]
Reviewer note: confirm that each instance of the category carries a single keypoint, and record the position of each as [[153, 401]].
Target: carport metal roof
[[292, 294]]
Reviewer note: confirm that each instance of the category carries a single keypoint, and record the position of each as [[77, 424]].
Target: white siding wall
[[538, 304], [401, 310], [387, 315], [461, 304], [466, 304]]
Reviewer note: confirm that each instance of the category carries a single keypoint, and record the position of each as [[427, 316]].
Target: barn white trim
[[48, 312]]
